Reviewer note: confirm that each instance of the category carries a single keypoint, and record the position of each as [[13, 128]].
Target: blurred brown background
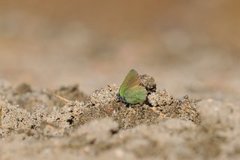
[[188, 46]]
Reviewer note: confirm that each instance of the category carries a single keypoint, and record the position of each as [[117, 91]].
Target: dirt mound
[[66, 123]]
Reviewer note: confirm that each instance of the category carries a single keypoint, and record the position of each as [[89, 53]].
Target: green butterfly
[[131, 91]]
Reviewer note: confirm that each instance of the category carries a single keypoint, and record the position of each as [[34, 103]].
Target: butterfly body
[[131, 90]]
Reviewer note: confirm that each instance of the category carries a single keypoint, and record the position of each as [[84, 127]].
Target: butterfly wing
[[136, 94], [131, 80]]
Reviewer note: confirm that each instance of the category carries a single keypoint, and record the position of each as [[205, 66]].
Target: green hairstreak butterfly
[[131, 91]]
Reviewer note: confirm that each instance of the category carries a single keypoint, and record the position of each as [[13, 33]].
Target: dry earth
[[65, 123]]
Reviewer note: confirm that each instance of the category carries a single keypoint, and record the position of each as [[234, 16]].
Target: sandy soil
[[80, 52], [39, 124]]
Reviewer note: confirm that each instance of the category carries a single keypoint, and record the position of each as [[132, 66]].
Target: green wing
[[131, 80], [136, 94]]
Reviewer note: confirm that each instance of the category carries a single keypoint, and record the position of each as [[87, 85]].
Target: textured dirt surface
[[65, 123]]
